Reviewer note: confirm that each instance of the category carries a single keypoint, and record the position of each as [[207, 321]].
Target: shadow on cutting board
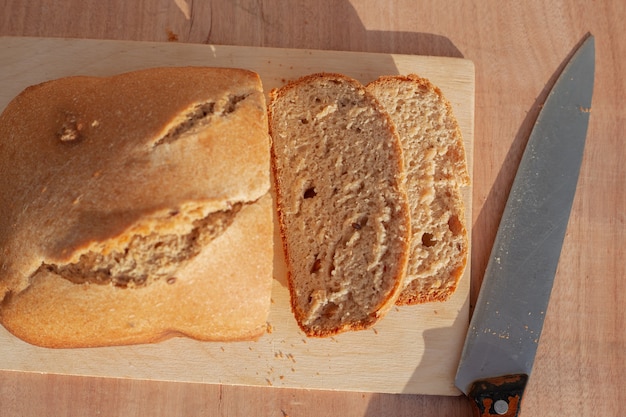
[[433, 358]]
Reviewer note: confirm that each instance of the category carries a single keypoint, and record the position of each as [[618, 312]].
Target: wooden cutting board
[[412, 350]]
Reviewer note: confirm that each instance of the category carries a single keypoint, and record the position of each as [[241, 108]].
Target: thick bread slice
[[126, 201], [436, 169], [342, 204]]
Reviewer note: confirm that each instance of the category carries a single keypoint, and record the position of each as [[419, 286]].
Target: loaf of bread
[[135, 208], [436, 169], [342, 203]]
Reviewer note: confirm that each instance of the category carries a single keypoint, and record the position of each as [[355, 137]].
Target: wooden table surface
[[518, 49]]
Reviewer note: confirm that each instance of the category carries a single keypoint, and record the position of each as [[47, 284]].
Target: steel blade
[[508, 318]]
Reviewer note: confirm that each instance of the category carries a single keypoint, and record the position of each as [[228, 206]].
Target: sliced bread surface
[[343, 208], [436, 170]]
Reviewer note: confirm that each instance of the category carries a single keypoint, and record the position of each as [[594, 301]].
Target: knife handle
[[500, 396]]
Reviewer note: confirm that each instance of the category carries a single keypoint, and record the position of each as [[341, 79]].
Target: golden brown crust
[[413, 294], [89, 162]]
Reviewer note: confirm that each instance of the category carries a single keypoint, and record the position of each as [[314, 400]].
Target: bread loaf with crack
[[127, 203]]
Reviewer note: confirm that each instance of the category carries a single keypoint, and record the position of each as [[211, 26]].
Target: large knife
[[504, 331]]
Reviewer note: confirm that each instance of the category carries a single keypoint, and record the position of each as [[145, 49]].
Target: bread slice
[[342, 204], [125, 202], [436, 170]]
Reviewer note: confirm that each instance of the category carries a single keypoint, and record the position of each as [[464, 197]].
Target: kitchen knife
[[504, 331]]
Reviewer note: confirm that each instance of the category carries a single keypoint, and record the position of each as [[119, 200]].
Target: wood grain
[[517, 49]]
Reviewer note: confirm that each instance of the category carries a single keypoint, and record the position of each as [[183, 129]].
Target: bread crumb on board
[[171, 36]]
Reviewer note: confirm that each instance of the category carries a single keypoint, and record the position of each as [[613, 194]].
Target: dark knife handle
[[500, 396]]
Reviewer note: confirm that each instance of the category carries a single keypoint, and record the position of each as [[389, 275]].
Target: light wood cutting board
[[412, 350]]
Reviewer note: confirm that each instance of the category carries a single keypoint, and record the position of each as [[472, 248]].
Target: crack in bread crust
[[146, 259], [199, 115]]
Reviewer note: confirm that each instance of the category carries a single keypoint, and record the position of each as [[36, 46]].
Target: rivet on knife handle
[[499, 396]]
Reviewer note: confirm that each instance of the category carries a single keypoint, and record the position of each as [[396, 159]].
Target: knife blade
[[503, 335]]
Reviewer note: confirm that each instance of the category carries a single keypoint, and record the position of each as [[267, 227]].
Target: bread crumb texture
[[436, 170], [342, 204], [143, 259]]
